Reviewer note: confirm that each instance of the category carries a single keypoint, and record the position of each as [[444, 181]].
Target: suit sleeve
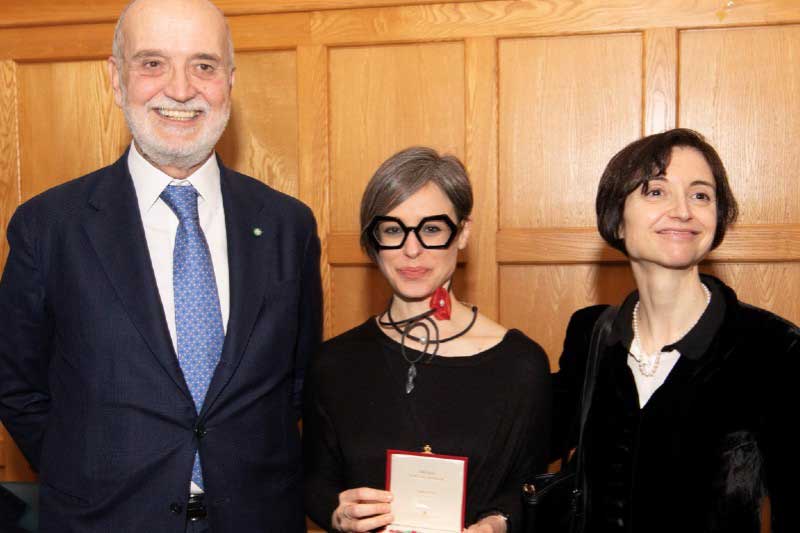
[[309, 334], [26, 330]]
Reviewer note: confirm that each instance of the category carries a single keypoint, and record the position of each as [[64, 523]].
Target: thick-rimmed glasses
[[389, 233]]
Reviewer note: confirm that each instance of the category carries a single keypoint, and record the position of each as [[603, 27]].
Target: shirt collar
[[149, 181], [692, 345]]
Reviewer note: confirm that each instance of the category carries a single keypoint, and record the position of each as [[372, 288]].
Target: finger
[[368, 524], [364, 510], [365, 494]]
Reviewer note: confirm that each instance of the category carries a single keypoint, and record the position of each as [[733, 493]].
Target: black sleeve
[[26, 330], [568, 381], [322, 458], [529, 438]]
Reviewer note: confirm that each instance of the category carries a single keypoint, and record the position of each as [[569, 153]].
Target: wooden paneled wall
[[534, 95]]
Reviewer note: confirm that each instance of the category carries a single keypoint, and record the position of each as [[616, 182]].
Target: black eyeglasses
[[434, 233]]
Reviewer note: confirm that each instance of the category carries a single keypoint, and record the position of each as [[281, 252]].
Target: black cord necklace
[[425, 322]]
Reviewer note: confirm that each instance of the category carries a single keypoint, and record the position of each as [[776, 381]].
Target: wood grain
[[739, 87], [261, 137], [85, 38], [660, 79], [481, 160], [766, 243], [360, 292], [9, 151], [46, 43], [449, 21], [46, 12], [539, 299], [344, 249], [554, 246], [770, 286], [384, 99], [567, 104], [69, 124], [314, 173], [93, 41]]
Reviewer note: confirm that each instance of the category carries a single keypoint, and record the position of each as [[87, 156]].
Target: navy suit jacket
[[90, 385]]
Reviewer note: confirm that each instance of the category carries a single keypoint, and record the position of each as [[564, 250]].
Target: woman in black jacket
[[694, 391]]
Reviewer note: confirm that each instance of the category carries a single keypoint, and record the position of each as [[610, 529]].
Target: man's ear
[[114, 74]]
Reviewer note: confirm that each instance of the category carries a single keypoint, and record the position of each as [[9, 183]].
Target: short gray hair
[[406, 172], [118, 45]]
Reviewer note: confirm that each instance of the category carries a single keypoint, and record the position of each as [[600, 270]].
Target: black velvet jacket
[[710, 443]]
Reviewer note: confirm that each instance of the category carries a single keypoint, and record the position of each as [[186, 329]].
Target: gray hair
[[118, 45], [406, 172]]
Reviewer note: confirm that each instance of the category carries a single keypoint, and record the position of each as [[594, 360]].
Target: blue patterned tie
[[198, 319]]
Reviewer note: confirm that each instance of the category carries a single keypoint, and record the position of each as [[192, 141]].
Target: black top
[[712, 439], [492, 407]]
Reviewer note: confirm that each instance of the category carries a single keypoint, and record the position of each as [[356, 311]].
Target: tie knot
[[182, 199]]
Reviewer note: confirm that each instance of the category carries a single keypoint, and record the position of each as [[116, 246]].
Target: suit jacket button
[[176, 508], [200, 431]]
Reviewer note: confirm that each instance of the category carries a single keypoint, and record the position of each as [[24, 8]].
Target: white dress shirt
[[161, 225]]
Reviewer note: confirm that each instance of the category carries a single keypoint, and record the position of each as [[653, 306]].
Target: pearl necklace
[[648, 363]]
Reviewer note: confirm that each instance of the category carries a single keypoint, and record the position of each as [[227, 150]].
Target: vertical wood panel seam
[[480, 133], [496, 173], [328, 322], [678, 37], [17, 133], [643, 83], [660, 79]]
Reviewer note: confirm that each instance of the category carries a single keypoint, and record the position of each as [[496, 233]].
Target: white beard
[[182, 155]]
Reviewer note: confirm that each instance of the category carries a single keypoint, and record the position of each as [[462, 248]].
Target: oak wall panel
[[567, 104], [361, 291], [9, 151], [261, 139], [740, 88], [539, 299], [40, 12], [69, 124], [772, 286], [384, 99]]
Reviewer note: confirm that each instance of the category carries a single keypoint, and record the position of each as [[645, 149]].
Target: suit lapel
[[114, 227], [248, 257]]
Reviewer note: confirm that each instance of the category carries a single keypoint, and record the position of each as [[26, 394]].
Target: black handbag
[[554, 502]]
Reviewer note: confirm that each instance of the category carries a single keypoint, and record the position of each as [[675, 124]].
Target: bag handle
[[599, 333]]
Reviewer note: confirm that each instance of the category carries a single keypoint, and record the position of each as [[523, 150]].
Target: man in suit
[[157, 314]]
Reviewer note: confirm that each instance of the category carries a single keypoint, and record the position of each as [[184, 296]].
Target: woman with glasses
[[694, 392], [429, 371]]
